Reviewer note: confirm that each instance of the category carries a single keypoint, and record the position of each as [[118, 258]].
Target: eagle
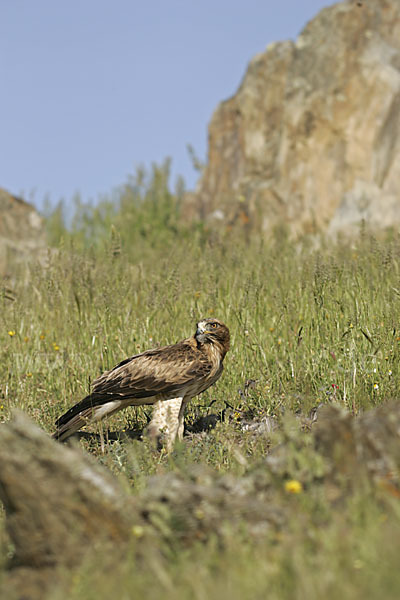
[[166, 377]]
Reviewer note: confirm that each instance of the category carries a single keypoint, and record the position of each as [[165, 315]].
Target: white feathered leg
[[164, 425]]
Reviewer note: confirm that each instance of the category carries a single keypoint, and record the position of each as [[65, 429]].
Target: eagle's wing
[[160, 371], [167, 371]]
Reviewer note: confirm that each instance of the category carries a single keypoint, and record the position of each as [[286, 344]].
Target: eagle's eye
[[213, 325]]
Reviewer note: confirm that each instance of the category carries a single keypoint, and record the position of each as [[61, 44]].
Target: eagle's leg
[[164, 425], [102, 445]]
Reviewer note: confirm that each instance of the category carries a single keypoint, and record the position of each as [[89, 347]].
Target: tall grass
[[308, 326]]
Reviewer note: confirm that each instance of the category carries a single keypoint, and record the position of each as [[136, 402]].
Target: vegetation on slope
[[309, 326]]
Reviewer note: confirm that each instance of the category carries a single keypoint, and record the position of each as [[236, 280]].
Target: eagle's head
[[213, 331]]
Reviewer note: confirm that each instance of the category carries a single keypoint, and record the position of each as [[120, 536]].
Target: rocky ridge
[[311, 138]]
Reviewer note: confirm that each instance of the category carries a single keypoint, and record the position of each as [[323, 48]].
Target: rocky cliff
[[311, 138], [21, 232]]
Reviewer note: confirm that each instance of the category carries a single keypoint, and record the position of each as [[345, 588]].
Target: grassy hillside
[[308, 327]]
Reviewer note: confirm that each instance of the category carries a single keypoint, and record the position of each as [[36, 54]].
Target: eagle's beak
[[201, 329]]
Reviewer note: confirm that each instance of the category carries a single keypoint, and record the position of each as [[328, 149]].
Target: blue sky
[[93, 88]]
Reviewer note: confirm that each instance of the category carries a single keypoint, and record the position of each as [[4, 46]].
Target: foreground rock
[[59, 504], [311, 138], [62, 506]]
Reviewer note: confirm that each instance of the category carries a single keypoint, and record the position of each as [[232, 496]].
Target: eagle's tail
[[73, 420], [87, 410]]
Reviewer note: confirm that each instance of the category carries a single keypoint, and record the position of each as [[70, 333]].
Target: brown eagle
[[167, 377]]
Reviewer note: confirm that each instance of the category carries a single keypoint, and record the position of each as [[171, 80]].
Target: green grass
[[308, 326], [347, 559]]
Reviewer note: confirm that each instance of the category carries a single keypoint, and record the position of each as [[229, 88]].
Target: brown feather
[[181, 370]]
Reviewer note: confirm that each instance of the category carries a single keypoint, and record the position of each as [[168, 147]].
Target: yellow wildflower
[[11, 333], [138, 531], [293, 486]]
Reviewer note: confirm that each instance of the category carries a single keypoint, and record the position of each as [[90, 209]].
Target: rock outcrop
[[61, 506], [22, 233], [312, 137]]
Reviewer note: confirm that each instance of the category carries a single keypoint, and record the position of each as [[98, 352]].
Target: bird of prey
[[166, 377]]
